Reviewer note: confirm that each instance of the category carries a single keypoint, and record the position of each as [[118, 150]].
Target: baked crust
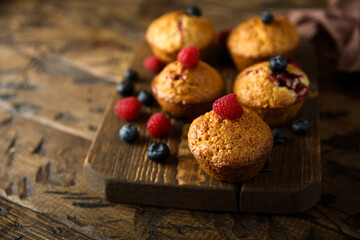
[[168, 34], [253, 41], [189, 92], [232, 150]]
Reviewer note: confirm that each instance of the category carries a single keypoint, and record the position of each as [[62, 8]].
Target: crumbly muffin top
[[175, 30], [232, 142], [179, 84], [257, 86], [254, 38]]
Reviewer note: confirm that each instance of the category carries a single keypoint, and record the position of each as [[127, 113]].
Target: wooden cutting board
[[121, 172]]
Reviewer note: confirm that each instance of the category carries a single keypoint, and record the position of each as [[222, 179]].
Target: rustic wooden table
[[59, 64]]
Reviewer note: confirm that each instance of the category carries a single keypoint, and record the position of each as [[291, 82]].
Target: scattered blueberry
[[128, 133], [301, 126], [278, 64], [125, 88], [158, 152], [266, 167], [145, 98], [279, 136], [131, 75], [193, 10], [267, 17]]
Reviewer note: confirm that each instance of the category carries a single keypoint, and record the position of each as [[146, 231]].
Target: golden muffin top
[[230, 142], [253, 38], [175, 30], [186, 85]]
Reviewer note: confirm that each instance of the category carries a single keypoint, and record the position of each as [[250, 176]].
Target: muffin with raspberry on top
[[260, 38], [173, 31], [187, 87], [273, 89], [230, 143]]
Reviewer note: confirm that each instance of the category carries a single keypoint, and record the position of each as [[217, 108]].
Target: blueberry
[[267, 17], [301, 126], [128, 133], [125, 88], [145, 97], [279, 136], [131, 75], [158, 152], [193, 10], [278, 64]]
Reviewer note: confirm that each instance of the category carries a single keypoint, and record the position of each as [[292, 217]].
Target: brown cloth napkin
[[338, 27]]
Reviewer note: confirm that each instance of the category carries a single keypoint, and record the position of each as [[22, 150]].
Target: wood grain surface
[[121, 172], [80, 35]]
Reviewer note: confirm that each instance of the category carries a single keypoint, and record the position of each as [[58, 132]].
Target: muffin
[[255, 41], [276, 96], [168, 34], [231, 150], [187, 92]]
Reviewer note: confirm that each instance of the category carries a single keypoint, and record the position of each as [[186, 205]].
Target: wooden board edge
[[291, 201], [190, 196], [94, 180]]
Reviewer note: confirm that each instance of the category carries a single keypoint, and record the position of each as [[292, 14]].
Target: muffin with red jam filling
[[173, 31], [273, 89], [187, 87]]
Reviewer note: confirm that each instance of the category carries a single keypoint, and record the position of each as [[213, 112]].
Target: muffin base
[[187, 111], [277, 116], [232, 174]]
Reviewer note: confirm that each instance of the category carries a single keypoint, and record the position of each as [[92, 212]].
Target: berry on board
[[131, 75], [301, 126], [128, 133], [158, 152], [153, 64], [125, 88], [279, 136], [145, 98], [128, 108], [158, 125], [223, 36]]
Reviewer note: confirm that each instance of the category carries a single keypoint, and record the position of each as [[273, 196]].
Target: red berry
[[158, 125], [153, 64], [228, 107], [223, 36], [189, 56], [128, 108]]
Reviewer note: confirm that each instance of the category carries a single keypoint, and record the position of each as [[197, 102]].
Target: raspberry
[[153, 64], [223, 36], [128, 108], [189, 56], [158, 125], [228, 107]]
